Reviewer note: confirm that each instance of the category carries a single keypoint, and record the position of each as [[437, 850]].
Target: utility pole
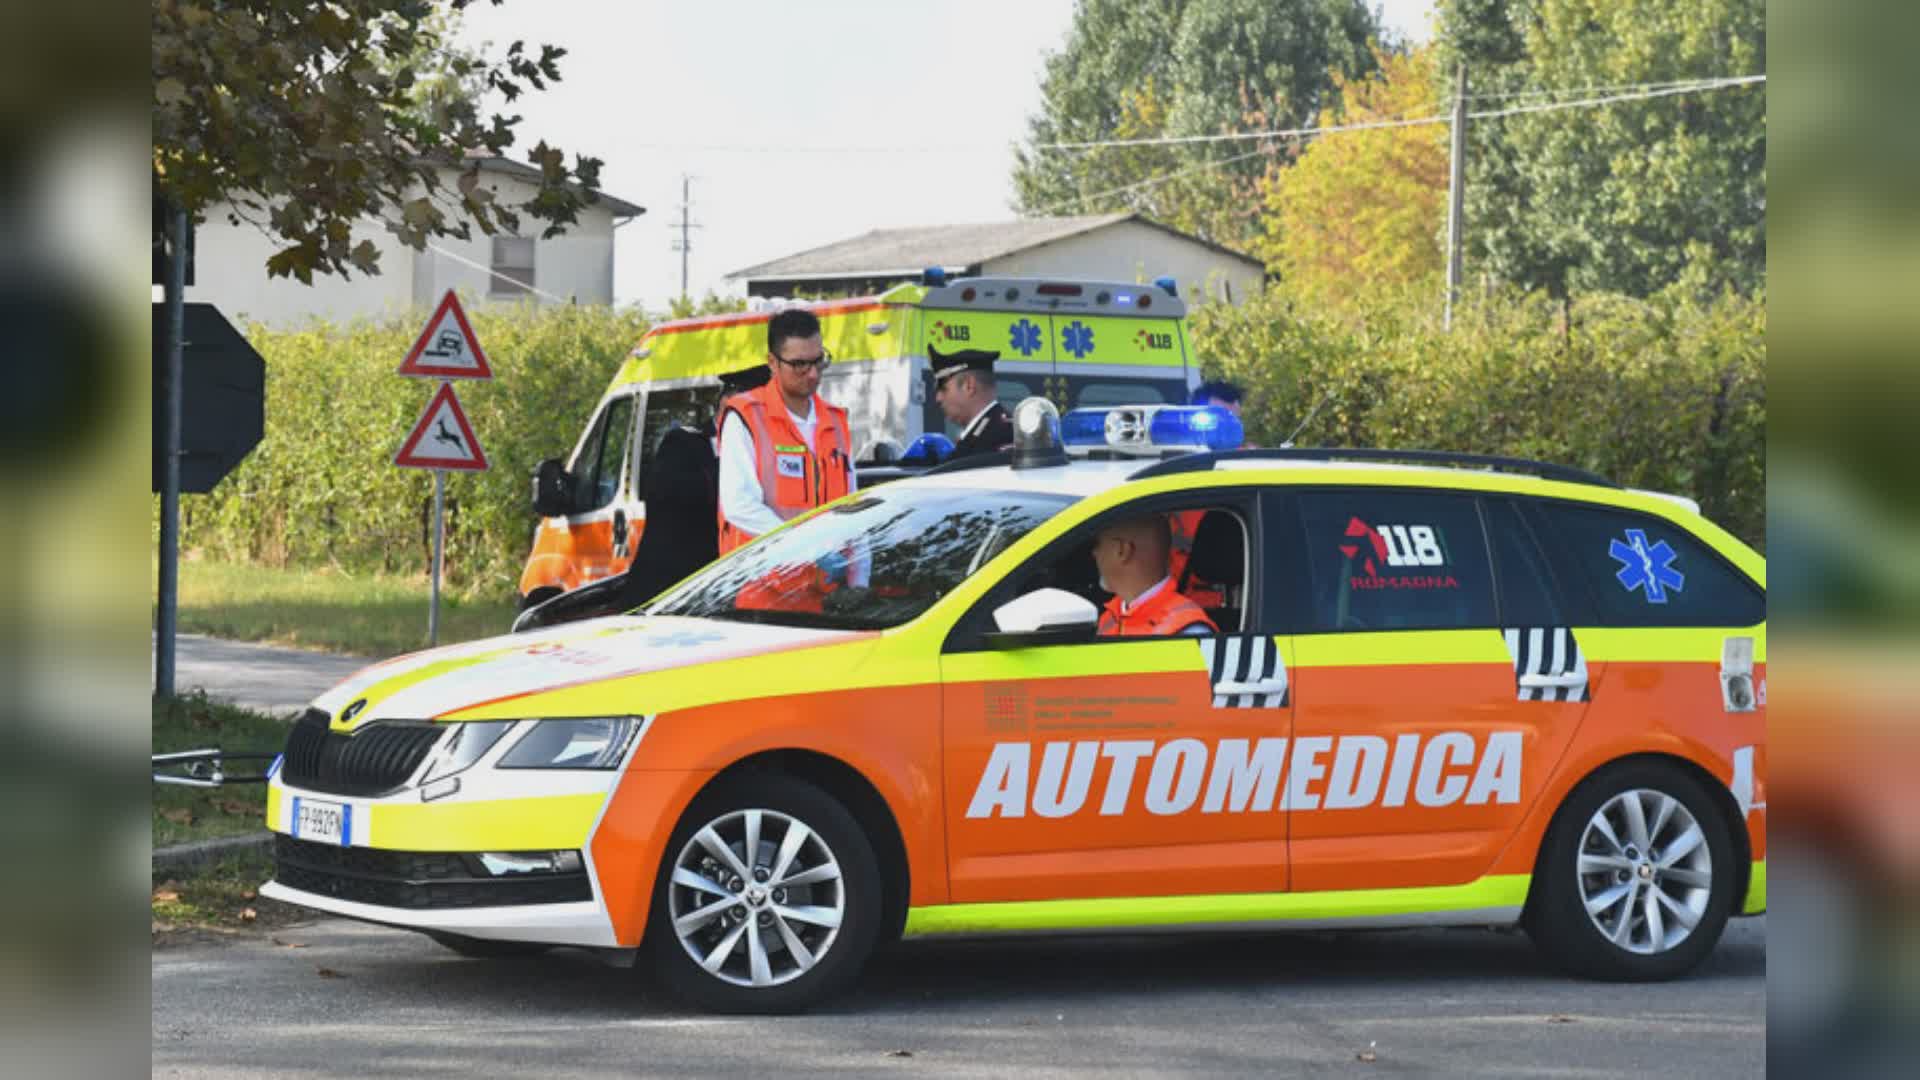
[[1456, 192], [684, 243], [169, 598]]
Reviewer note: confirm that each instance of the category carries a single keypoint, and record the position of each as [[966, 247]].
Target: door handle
[[1274, 687], [1546, 682]]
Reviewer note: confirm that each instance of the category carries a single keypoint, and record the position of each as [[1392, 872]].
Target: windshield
[[872, 562]]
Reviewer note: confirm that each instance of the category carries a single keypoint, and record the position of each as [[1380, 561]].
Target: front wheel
[[768, 898], [1636, 879]]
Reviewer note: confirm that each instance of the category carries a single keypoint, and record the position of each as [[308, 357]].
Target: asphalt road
[[1431, 1002], [260, 677]]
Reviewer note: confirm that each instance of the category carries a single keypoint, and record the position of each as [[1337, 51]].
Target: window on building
[[512, 266]]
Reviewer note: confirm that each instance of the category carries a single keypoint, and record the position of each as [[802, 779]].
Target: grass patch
[[183, 814], [366, 615], [220, 896]]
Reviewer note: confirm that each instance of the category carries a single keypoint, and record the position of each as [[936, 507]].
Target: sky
[[798, 124]]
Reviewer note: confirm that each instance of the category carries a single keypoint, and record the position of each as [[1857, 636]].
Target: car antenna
[[1288, 444]]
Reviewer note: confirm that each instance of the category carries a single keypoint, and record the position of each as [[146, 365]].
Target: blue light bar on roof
[[1151, 429]]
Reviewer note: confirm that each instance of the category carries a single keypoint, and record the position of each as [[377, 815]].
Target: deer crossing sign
[[442, 438]]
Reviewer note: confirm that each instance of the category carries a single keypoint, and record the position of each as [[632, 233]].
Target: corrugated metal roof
[[912, 249]]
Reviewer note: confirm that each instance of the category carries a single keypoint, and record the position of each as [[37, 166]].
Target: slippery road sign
[[448, 347], [442, 438]]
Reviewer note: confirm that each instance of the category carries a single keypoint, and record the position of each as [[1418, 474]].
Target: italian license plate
[[324, 822]]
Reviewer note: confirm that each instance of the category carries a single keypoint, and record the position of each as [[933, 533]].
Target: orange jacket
[[1165, 612], [793, 478]]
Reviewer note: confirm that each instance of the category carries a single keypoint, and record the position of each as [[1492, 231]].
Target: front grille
[[372, 761], [415, 880]]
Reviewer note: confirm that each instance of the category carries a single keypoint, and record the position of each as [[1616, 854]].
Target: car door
[[1426, 718], [1121, 766], [604, 506]]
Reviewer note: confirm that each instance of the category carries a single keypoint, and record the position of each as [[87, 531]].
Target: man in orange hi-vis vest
[[783, 449], [1131, 556]]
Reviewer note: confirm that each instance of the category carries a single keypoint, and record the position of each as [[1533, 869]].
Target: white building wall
[[1131, 251], [230, 269], [230, 272]]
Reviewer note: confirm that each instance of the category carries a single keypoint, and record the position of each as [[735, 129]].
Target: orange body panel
[[891, 736], [567, 555]]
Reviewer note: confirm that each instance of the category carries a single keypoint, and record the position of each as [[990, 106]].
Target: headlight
[[597, 743], [463, 746]]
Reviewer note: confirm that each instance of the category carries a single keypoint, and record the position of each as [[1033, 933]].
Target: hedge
[[1664, 394], [1667, 394], [321, 489]]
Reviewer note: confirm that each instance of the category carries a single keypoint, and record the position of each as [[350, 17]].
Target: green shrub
[[321, 489], [1667, 393]]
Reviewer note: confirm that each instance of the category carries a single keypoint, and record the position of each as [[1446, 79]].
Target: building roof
[[621, 208], [884, 252]]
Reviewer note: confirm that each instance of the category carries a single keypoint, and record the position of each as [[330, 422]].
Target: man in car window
[[1131, 556]]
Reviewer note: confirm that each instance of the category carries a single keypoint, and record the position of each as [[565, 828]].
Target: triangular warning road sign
[[442, 439], [448, 347]]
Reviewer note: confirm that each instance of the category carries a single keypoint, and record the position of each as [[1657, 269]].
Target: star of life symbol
[[1077, 339], [1025, 336], [1649, 569], [684, 639]]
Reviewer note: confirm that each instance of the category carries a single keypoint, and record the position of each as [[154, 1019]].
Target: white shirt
[[742, 499]]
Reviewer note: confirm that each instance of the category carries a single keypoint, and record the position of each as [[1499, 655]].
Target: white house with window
[[575, 267]]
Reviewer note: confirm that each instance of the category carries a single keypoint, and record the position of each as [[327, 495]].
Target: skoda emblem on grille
[[353, 710]]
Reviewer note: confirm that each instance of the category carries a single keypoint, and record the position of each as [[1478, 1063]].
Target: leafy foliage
[[1361, 214], [1667, 393], [321, 489], [1625, 198], [307, 119], [1181, 67]]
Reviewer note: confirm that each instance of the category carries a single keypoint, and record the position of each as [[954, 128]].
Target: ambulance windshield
[[873, 562]]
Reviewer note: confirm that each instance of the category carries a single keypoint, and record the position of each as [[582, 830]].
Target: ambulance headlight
[[599, 742], [1152, 429], [1036, 434]]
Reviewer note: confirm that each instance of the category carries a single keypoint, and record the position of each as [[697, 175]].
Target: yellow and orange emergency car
[[1445, 691]]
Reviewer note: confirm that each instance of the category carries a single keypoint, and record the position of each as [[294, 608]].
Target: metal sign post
[[439, 549]]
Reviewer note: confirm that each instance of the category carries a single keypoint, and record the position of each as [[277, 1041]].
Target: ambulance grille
[[372, 761]]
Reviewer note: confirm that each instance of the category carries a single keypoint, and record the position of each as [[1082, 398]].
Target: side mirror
[[1043, 617], [552, 489]]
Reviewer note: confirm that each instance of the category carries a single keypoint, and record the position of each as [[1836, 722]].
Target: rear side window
[[1527, 593], [1387, 559], [1644, 571]]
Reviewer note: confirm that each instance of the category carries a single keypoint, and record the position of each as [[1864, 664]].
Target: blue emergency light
[[933, 277], [1151, 429]]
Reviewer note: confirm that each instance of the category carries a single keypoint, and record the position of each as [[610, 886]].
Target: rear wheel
[[768, 898], [1637, 876]]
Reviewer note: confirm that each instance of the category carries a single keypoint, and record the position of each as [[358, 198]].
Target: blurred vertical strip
[[75, 578], [1844, 538]]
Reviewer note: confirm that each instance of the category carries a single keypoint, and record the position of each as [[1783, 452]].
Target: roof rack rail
[[1201, 462]]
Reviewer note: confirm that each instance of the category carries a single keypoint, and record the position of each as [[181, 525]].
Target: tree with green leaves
[[1630, 197], [307, 119], [1360, 214], [1154, 68]]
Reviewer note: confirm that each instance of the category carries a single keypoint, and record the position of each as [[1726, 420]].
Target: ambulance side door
[[604, 505], [1117, 767], [1433, 695]]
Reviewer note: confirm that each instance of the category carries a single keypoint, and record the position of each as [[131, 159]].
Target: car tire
[[487, 948], [1609, 903], [765, 943]]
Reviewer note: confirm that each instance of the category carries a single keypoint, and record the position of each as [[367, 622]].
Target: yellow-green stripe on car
[[1493, 899], [1756, 890]]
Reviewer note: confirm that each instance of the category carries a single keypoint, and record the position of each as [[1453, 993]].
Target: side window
[[692, 407], [1390, 559], [597, 474], [1207, 563], [1644, 571], [1528, 596], [1088, 394]]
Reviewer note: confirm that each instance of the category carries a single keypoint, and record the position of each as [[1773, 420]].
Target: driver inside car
[[1132, 558]]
